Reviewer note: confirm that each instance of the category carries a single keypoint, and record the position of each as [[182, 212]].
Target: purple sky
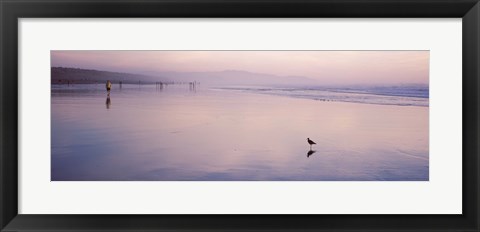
[[330, 67]]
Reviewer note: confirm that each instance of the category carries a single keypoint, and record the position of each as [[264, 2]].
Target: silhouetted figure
[[160, 85], [310, 142], [192, 86], [311, 152], [108, 86], [108, 103], [120, 84]]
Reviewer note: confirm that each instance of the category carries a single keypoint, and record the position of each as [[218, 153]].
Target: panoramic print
[[239, 115]]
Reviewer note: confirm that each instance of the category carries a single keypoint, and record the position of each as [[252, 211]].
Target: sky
[[329, 67]]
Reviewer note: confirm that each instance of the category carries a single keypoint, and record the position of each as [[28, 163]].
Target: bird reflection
[[108, 102], [311, 152]]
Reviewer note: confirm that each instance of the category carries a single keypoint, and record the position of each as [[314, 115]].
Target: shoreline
[[187, 87]]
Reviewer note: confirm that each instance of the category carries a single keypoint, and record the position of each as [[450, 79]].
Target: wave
[[389, 95]]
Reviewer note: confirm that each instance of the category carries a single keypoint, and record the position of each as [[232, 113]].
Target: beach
[[143, 133]]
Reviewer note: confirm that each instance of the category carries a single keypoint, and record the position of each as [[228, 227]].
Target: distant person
[[108, 85]]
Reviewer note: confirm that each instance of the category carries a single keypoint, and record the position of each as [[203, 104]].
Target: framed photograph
[[247, 116]]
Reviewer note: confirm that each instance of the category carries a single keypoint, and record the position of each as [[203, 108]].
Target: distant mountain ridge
[[238, 77], [61, 75], [228, 77]]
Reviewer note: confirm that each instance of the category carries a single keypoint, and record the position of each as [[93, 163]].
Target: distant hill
[[221, 78], [237, 77], [74, 75]]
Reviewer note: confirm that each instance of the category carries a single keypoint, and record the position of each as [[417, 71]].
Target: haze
[[327, 67]]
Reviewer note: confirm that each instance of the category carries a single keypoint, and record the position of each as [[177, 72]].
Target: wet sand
[[145, 134]]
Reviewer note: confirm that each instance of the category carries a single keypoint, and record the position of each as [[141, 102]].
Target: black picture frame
[[12, 10]]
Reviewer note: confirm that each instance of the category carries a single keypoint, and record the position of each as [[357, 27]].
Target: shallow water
[[145, 133]]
